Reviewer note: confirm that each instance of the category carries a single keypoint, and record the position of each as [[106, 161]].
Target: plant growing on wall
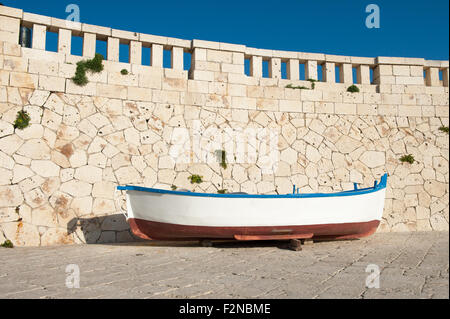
[[407, 159], [222, 191], [353, 89], [313, 83], [444, 129], [124, 72], [22, 120], [173, 187], [196, 179], [94, 65], [7, 244], [290, 86]]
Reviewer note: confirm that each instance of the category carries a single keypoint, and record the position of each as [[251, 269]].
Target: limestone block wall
[[58, 176]]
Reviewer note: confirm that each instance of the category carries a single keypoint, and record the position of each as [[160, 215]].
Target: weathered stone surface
[[128, 175], [373, 159], [22, 234], [35, 149], [89, 174], [76, 188], [10, 196], [45, 168], [435, 188], [56, 236], [104, 189], [347, 144]]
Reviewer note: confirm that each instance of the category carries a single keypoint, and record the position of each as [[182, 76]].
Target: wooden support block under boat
[[206, 243], [295, 244]]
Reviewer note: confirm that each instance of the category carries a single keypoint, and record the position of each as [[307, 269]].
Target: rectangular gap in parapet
[[371, 75], [441, 75], [247, 66], [76, 47], [355, 75], [283, 69], [302, 72], [124, 53], [146, 55], [319, 72], [265, 69], [337, 73], [187, 57], [167, 59], [101, 47], [51, 41]]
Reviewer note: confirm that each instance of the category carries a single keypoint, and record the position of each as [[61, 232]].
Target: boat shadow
[[115, 230]]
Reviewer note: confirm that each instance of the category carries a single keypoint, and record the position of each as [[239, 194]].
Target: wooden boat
[[181, 215]]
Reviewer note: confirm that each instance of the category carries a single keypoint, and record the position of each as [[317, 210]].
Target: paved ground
[[413, 265]]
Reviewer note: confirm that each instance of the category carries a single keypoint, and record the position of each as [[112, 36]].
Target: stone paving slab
[[411, 265]]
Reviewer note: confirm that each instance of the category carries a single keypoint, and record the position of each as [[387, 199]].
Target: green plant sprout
[[353, 89], [407, 159], [94, 65], [196, 179], [22, 120]]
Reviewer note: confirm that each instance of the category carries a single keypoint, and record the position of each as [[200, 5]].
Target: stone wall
[[58, 176]]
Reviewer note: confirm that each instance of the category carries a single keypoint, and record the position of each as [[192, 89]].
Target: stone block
[[219, 56], [243, 103], [367, 109], [401, 70], [328, 72], [11, 12], [43, 67], [151, 80], [11, 49], [293, 69], [177, 58], [39, 36], [194, 86], [23, 80], [345, 108], [275, 68], [232, 68], [89, 44], [139, 94], [52, 83], [64, 41], [290, 106], [256, 66], [418, 80], [102, 31], [203, 75], [113, 49], [410, 110], [112, 91], [152, 39], [363, 74], [135, 52]]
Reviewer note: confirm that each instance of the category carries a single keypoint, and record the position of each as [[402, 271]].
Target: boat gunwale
[[377, 187]]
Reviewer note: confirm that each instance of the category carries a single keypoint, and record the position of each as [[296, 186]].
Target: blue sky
[[408, 28]]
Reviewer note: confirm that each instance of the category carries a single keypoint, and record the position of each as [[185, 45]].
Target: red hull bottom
[[162, 231]]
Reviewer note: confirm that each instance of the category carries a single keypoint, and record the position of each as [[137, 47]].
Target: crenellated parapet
[[210, 58]]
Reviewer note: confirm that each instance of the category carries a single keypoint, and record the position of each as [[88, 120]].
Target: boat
[[157, 214]]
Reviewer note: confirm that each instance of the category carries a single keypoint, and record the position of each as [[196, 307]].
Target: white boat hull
[[156, 214]]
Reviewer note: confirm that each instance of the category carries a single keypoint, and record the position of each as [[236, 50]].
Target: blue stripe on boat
[[378, 186]]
